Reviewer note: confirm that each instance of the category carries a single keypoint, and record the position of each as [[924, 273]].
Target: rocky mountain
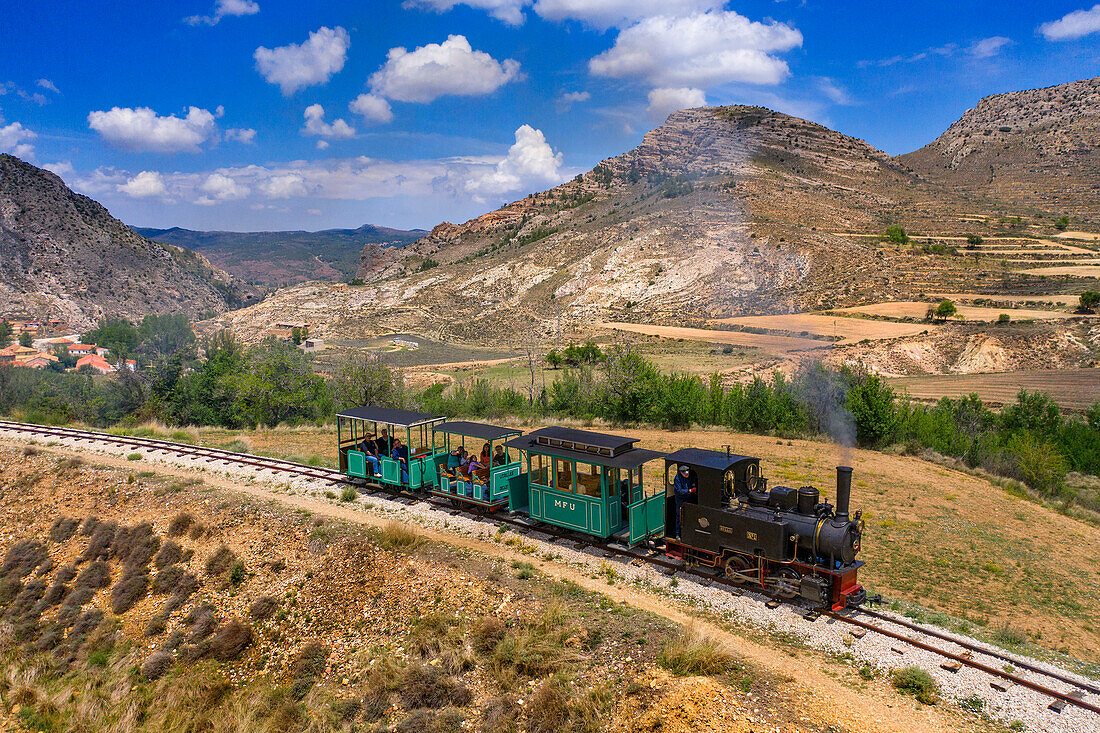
[[1035, 149], [719, 212], [62, 255], [277, 259]]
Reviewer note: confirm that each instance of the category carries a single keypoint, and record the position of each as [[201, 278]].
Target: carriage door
[[636, 514]]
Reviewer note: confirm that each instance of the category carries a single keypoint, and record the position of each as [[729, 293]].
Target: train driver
[[686, 488]]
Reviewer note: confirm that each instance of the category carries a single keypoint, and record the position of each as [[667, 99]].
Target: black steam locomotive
[[792, 542]]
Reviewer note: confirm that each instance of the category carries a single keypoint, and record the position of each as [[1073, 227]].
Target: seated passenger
[[484, 460], [401, 455], [382, 444], [499, 459], [370, 450], [454, 459]]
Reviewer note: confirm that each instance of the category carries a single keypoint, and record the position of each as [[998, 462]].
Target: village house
[[9, 354], [84, 350], [36, 361], [96, 362]]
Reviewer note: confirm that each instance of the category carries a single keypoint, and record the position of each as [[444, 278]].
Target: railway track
[[650, 557]]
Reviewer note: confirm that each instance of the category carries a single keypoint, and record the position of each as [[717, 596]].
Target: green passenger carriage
[[489, 488], [588, 482], [358, 424]]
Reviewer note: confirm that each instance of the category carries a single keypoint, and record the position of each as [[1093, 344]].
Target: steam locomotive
[[790, 541]]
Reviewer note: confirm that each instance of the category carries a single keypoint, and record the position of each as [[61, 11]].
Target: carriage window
[[540, 470], [588, 479], [563, 475]]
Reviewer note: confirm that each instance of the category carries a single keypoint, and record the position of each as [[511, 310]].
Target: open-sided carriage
[[488, 487], [588, 482], [358, 427]]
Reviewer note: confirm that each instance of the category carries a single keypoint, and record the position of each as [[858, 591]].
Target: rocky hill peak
[[62, 255]]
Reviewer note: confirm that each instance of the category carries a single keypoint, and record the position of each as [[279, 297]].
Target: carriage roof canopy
[[613, 451], [707, 458], [475, 430], [397, 418]]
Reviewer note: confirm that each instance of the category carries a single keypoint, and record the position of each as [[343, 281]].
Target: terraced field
[[917, 309], [1075, 389], [847, 330]]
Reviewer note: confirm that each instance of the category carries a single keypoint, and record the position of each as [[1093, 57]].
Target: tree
[[363, 379], [1040, 464], [553, 359], [117, 335], [165, 335], [296, 335], [973, 240], [280, 386], [1062, 224], [872, 406], [945, 309], [5, 334], [1089, 300], [1004, 318], [25, 339], [894, 233]]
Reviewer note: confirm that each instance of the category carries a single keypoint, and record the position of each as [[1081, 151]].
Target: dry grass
[[398, 536], [693, 654]]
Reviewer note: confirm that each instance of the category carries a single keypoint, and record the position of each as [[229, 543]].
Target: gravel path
[[969, 687]]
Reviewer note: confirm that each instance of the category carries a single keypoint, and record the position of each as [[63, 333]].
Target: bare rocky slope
[[62, 255], [719, 212], [1034, 148]]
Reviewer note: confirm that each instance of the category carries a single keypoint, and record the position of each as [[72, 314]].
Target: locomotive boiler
[[791, 541]]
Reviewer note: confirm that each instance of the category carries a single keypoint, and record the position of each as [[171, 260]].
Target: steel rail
[[336, 477]]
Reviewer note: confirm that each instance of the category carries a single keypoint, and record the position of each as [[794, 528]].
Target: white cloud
[[301, 65], [566, 101], [15, 139], [222, 9], [62, 168], [144, 185], [664, 101], [439, 69], [530, 159], [508, 11], [372, 107], [989, 47], [142, 129], [609, 13], [289, 185], [244, 135], [1073, 25], [316, 125], [223, 188], [700, 50], [47, 84], [836, 93]]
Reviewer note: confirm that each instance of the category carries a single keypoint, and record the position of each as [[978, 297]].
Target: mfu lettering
[[571, 506]]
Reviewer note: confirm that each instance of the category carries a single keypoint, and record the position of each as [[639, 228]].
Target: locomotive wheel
[[784, 582], [737, 567]]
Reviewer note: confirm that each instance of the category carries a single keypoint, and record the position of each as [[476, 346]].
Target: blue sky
[[258, 114]]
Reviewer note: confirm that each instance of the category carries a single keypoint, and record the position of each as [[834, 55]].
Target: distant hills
[[1037, 149], [63, 256], [277, 259]]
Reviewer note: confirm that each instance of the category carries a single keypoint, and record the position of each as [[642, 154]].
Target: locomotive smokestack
[[843, 491]]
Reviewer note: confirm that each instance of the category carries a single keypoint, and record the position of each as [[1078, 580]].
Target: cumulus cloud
[[316, 125], [372, 108], [530, 159], [223, 188], [1073, 25], [699, 50], [141, 129], [437, 69], [289, 185], [47, 84], [312, 62], [62, 168], [989, 47], [222, 9], [245, 135], [566, 101], [508, 11], [664, 101], [15, 139], [609, 13], [144, 185]]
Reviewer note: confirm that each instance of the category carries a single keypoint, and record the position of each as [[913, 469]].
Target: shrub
[[167, 579], [129, 589], [22, 558], [1062, 224], [349, 494], [487, 633], [424, 686], [896, 234], [156, 625], [263, 608], [95, 576], [872, 406], [237, 573], [311, 660], [63, 528], [134, 457], [197, 531], [222, 559], [916, 682], [1004, 318], [1040, 464], [170, 554], [180, 524], [156, 665], [549, 709], [135, 546], [230, 640], [201, 623], [1089, 299], [973, 240], [693, 654], [99, 544]]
